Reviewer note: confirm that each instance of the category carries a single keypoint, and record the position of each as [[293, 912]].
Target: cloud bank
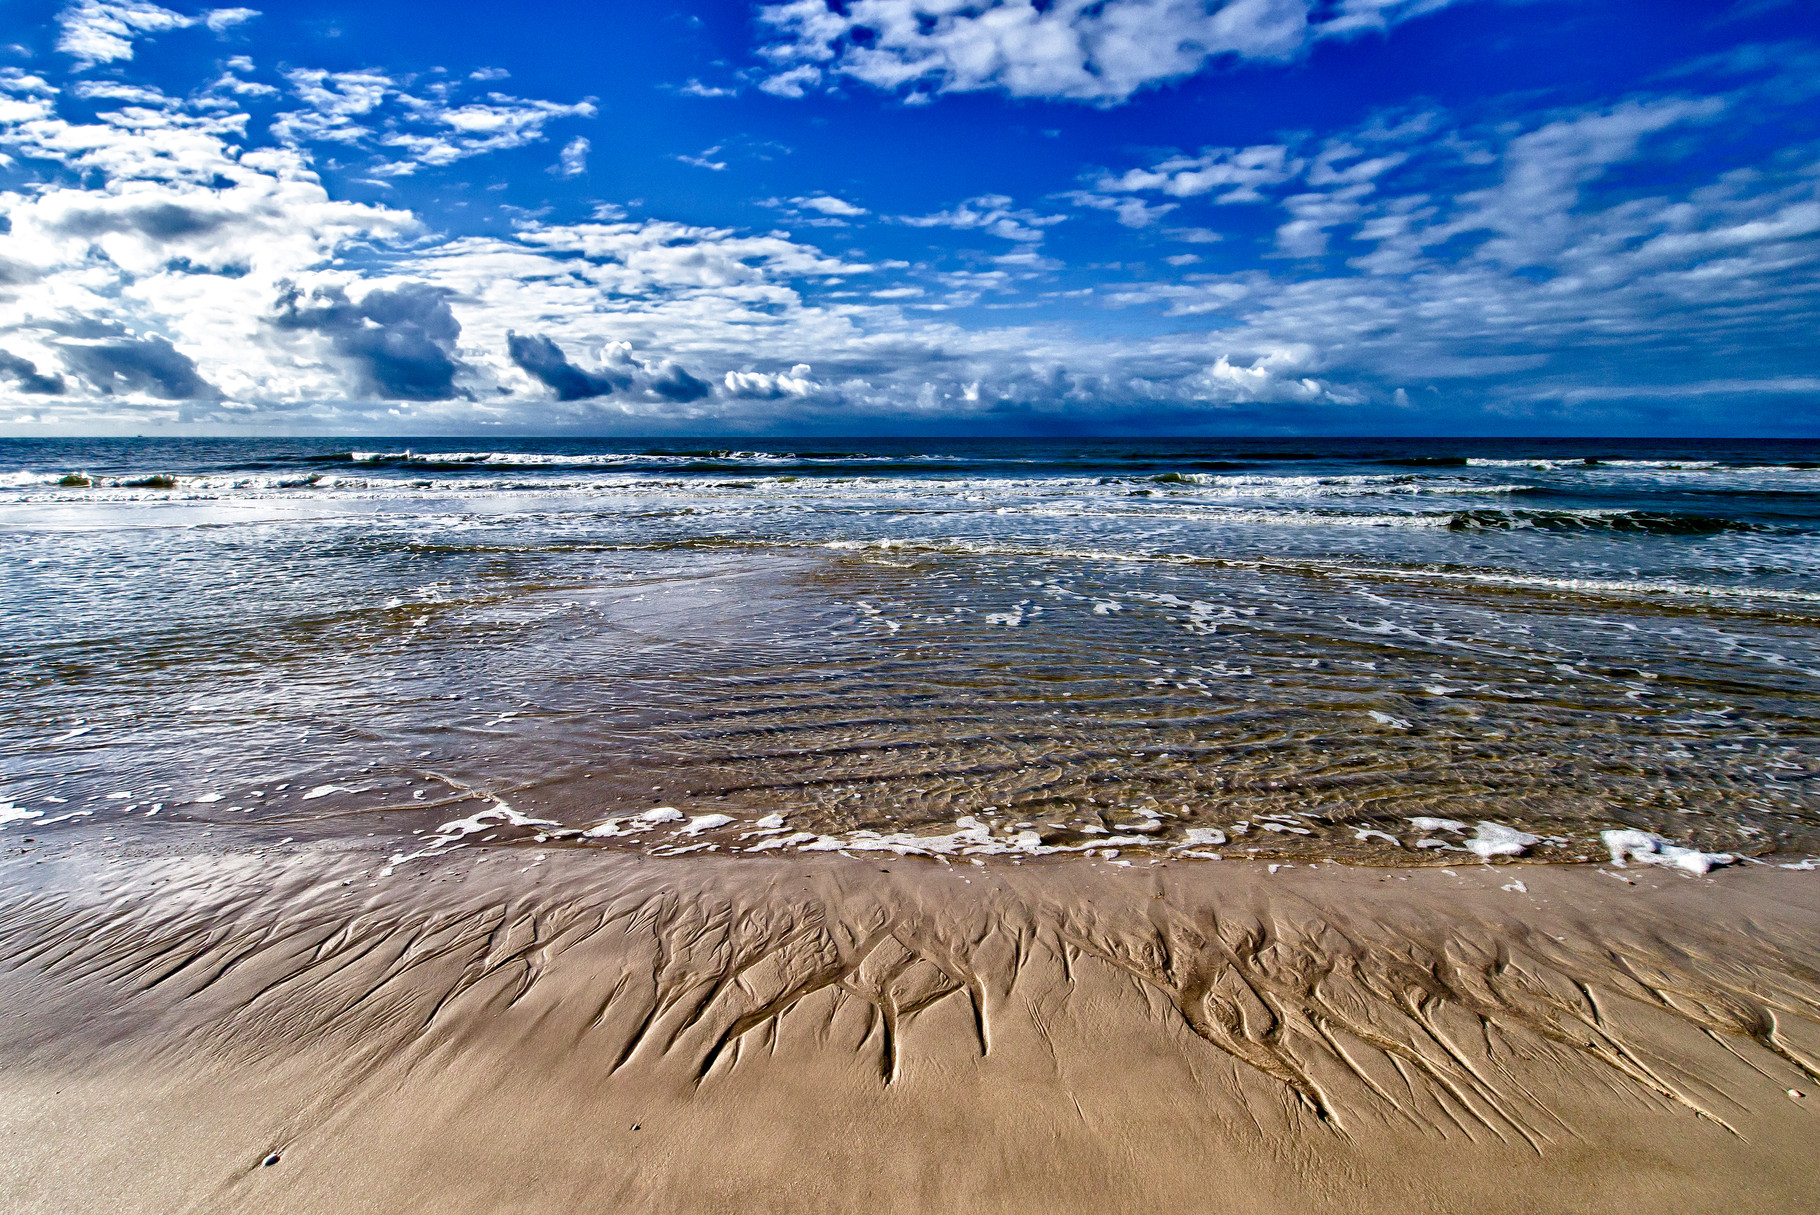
[[171, 253]]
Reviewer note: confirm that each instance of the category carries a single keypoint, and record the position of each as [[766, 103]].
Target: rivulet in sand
[[572, 1031]]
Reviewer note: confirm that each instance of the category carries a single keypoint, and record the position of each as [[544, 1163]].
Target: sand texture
[[600, 1033]]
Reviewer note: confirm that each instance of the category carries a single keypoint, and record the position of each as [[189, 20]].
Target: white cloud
[[161, 263], [990, 213], [573, 160], [1271, 377], [793, 83], [827, 204], [1087, 50], [696, 88], [1131, 212], [1305, 235], [370, 108], [1235, 175], [102, 31], [340, 93], [335, 100], [705, 160], [769, 386]]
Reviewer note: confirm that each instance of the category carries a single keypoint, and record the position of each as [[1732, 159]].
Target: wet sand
[[490, 1031]]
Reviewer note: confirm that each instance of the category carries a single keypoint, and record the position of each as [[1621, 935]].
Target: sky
[[1046, 217]]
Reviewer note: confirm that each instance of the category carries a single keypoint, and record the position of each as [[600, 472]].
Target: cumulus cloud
[[261, 214], [672, 383], [102, 31], [148, 365], [399, 343], [1274, 376], [771, 386], [544, 359], [619, 371], [1099, 51], [26, 377]]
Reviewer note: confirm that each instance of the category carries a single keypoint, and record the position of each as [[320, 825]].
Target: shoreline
[[481, 1031]]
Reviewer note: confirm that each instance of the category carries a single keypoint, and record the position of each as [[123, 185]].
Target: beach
[[900, 826], [217, 1031], [910, 607]]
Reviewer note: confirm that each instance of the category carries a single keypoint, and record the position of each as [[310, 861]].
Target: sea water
[[1295, 649]]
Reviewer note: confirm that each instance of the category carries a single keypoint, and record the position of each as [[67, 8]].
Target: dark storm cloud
[[544, 359], [25, 374], [148, 364], [400, 342]]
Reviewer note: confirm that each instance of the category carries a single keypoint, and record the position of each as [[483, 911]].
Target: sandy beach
[[566, 1030]]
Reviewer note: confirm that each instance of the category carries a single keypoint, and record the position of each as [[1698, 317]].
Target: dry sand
[[602, 1033]]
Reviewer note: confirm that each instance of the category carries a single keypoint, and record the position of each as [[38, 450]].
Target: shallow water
[[1167, 648]]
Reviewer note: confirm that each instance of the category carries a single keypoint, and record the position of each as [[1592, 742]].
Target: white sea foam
[[10, 813], [1646, 848], [1615, 587], [1344, 486], [1423, 823], [705, 822], [522, 459], [971, 838], [1495, 839], [784, 841], [451, 834], [1556, 463], [1012, 617]]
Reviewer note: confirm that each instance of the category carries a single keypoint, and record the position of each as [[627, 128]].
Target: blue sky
[[918, 216]]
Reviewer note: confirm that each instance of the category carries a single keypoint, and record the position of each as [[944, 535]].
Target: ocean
[[974, 650]]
